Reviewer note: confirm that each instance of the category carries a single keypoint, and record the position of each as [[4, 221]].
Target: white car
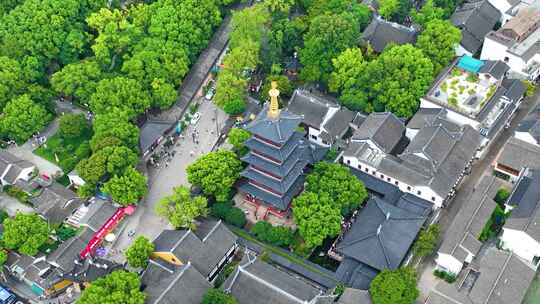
[[210, 94], [195, 118]]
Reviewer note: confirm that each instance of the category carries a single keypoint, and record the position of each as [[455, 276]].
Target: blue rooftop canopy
[[470, 64]]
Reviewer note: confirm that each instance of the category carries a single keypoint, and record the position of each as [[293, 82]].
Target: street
[[162, 180], [482, 167]]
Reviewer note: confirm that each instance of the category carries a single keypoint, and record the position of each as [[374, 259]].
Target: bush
[[331, 155], [277, 236], [83, 151], [494, 224], [448, 277], [3, 215], [228, 213], [17, 193], [234, 107], [65, 233], [73, 125], [501, 196]]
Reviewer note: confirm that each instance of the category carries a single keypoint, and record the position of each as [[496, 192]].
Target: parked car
[[6, 296], [210, 94], [195, 118]]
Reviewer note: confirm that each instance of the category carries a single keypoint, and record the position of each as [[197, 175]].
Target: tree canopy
[[438, 42], [216, 296], [139, 252], [215, 173], [427, 241], [317, 217], [120, 287], [120, 93], [22, 117], [336, 180], [128, 188], [181, 209], [394, 287], [73, 125], [237, 137], [114, 124], [25, 233]]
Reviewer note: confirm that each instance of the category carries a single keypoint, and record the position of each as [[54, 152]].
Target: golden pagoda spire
[[273, 110]]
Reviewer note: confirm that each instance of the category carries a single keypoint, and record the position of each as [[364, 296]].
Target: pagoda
[[278, 155]]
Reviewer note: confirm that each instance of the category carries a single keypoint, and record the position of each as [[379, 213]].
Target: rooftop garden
[[464, 91]]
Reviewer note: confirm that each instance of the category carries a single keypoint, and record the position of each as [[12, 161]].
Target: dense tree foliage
[[215, 173], [438, 42], [120, 287], [317, 217], [119, 93], [73, 125], [181, 209], [348, 68], [394, 287], [138, 253], [128, 188], [230, 214], [22, 117], [216, 296], [25, 233], [327, 37], [336, 180], [78, 79], [427, 13], [12, 80], [284, 38], [395, 10], [427, 240], [237, 137], [278, 235], [114, 124]]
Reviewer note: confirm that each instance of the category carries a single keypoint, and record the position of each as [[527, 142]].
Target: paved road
[[162, 180], [482, 167]]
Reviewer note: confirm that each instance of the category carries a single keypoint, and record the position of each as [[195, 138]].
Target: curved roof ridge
[[385, 253]]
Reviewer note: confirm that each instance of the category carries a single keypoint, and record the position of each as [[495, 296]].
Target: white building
[[517, 43], [324, 120], [430, 167], [461, 242], [521, 232], [13, 169]]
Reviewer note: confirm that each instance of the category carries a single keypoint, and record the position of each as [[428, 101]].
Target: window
[[325, 142], [367, 170], [397, 183], [348, 161], [506, 59], [373, 172], [419, 192], [433, 198], [382, 176], [409, 188], [314, 137], [359, 167], [388, 179]]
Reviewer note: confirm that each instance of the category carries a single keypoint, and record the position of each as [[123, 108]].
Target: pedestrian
[[191, 153]]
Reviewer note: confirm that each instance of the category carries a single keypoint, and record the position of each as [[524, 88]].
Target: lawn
[[68, 151]]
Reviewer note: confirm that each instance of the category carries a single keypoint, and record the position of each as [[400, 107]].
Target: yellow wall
[[167, 257]]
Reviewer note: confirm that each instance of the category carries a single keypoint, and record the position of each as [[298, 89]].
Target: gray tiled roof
[[531, 124], [355, 274], [381, 33], [67, 253], [312, 108], [11, 166], [99, 212], [495, 68], [281, 186], [256, 282], [282, 153], [277, 130], [167, 284], [518, 154], [425, 116], [384, 129], [151, 131], [204, 253], [501, 278], [381, 235], [526, 199], [354, 296], [339, 123], [476, 20], [56, 203], [280, 202]]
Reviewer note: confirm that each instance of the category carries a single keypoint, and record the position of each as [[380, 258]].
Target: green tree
[[316, 217], [22, 117], [215, 173], [92, 169], [501, 196], [360, 12], [235, 107], [3, 257], [127, 189], [394, 287], [181, 209], [229, 87], [328, 36], [349, 67], [73, 125], [388, 8], [278, 236], [449, 6], [279, 6], [8, 5], [336, 180], [77, 79], [119, 287], [427, 13], [119, 158], [427, 240], [284, 85], [25, 233], [438, 43], [12, 82], [237, 137], [114, 124], [216, 296], [397, 79], [119, 93], [139, 252]]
